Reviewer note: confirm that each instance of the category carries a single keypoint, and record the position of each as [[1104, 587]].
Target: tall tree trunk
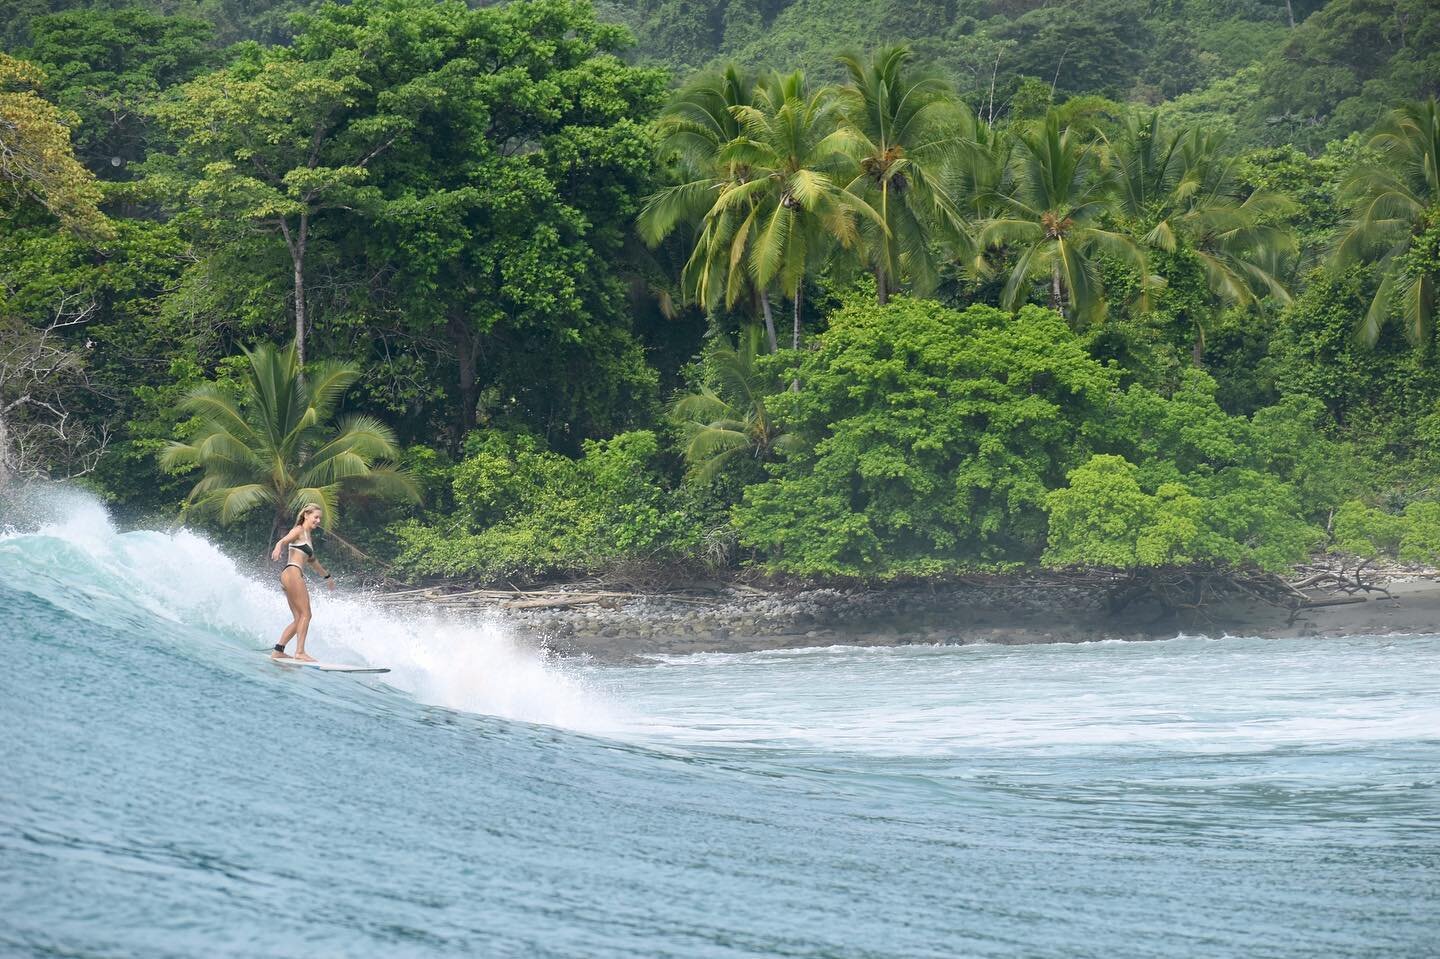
[[1290, 12], [1057, 292], [296, 240], [795, 341], [6, 466], [882, 293], [769, 321], [798, 292], [1197, 349], [467, 348]]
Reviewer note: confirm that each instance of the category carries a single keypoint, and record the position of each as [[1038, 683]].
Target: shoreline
[[608, 626]]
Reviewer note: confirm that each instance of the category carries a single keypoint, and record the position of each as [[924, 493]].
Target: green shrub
[[1420, 542], [1366, 531], [1236, 518], [1103, 518], [521, 510]]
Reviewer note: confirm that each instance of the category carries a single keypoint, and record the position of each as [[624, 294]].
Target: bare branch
[[40, 436]]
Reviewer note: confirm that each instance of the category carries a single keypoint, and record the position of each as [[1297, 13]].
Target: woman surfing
[[298, 545]]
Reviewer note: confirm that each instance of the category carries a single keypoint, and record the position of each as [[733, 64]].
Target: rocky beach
[[616, 625]]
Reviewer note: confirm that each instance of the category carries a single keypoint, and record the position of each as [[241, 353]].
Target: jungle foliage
[[818, 288]]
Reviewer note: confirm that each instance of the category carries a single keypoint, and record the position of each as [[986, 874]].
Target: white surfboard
[[332, 667]]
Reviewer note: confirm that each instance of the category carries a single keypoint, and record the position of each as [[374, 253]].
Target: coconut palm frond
[[1017, 286], [666, 209], [386, 483], [232, 502], [725, 418], [326, 386], [710, 442], [177, 457], [700, 407], [217, 406], [1367, 331], [1390, 202]]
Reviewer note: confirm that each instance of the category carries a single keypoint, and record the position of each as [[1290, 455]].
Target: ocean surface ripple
[[165, 790]]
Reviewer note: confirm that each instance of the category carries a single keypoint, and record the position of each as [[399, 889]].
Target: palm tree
[[696, 126], [1181, 191], [910, 128], [794, 204], [984, 172], [1063, 190], [277, 447], [775, 199], [726, 420], [1393, 201]]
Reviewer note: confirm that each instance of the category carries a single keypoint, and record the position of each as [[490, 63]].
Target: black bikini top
[[304, 548]]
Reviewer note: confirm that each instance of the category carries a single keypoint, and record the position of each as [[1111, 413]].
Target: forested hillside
[[1280, 71], [818, 288], [1277, 71]]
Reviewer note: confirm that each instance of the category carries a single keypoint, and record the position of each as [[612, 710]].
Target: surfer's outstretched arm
[[286, 540], [325, 573]]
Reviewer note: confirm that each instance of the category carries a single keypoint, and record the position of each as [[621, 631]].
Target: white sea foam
[[1187, 695]]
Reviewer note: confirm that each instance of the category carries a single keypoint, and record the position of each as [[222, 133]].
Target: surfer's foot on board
[[303, 657], [279, 652]]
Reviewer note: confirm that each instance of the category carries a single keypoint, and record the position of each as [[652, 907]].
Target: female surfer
[[299, 548]]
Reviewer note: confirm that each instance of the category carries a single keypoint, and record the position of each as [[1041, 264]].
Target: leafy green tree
[[1421, 542], [1053, 221], [1176, 481], [502, 226], [1099, 46], [37, 159], [105, 310], [910, 129], [1366, 531], [1233, 519], [1104, 519], [1313, 184], [1412, 536], [727, 419], [287, 133], [263, 21], [1393, 202], [1372, 394], [931, 440], [108, 67], [1335, 68], [684, 29], [278, 444]]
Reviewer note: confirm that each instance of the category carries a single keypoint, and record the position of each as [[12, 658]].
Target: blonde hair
[[307, 508]]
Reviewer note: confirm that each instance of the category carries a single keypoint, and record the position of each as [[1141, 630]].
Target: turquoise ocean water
[[165, 790]]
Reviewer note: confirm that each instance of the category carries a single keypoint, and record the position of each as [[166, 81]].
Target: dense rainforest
[[813, 288]]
